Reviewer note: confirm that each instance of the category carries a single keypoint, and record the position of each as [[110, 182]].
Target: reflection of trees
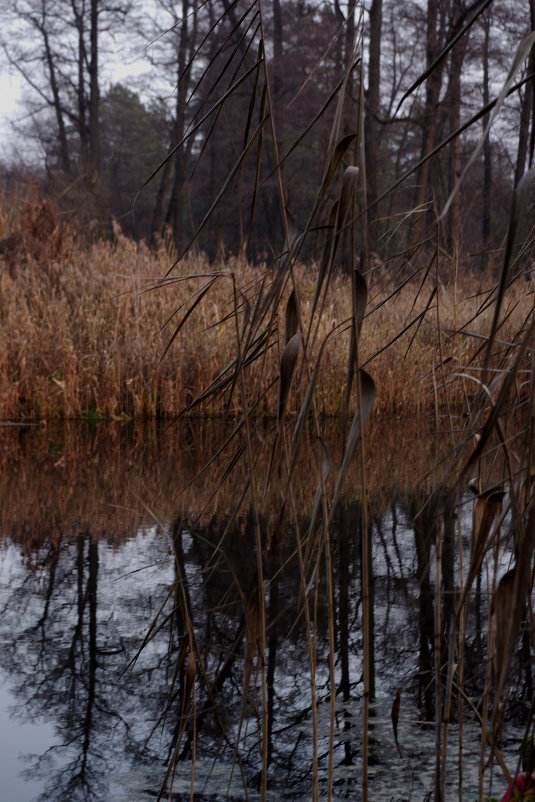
[[424, 537], [66, 648], [74, 619], [218, 594]]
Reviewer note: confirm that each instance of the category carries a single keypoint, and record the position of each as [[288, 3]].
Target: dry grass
[[81, 334]]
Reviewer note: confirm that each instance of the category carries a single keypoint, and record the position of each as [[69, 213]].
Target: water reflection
[[68, 625], [97, 546]]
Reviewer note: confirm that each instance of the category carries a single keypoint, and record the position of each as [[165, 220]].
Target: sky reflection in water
[[94, 535]]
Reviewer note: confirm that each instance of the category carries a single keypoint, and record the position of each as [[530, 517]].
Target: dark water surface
[[98, 544]]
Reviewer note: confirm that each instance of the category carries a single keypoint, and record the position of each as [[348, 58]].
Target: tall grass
[[82, 336]]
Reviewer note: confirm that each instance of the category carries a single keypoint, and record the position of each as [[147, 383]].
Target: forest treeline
[[230, 138]]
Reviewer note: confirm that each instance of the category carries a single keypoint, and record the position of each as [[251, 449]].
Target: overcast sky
[[127, 66], [10, 94]]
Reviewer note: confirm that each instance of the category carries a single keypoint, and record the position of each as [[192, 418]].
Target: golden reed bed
[[83, 330]]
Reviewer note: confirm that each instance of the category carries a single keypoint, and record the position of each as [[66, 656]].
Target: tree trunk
[[277, 62], [532, 85], [432, 93], [58, 109], [94, 96], [349, 43], [81, 105], [487, 154], [371, 130], [156, 228], [453, 110], [175, 212], [523, 134], [526, 112]]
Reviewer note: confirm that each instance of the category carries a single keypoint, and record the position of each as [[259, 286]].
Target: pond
[[134, 641]]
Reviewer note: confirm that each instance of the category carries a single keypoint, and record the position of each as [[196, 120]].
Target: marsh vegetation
[[362, 299]]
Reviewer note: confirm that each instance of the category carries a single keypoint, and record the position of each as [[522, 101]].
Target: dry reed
[[83, 335]]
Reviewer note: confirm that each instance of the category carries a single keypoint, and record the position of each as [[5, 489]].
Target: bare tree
[[173, 31], [57, 53], [487, 153]]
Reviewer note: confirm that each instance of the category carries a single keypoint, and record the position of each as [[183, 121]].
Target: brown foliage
[[83, 331], [37, 237]]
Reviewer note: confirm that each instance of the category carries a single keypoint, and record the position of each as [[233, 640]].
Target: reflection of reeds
[[107, 479]]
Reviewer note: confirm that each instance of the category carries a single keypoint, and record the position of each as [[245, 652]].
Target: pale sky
[[129, 66], [10, 99]]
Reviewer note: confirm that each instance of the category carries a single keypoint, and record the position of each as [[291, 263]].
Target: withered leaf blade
[[288, 362], [326, 467], [503, 607], [368, 393], [367, 396], [487, 509], [305, 406], [474, 486], [508, 606], [349, 185], [394, 713], [292, 318], [347, 195], [327, 258], [337, 157], [293, 231]]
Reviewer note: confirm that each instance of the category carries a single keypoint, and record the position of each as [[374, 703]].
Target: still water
[[101, 555]]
